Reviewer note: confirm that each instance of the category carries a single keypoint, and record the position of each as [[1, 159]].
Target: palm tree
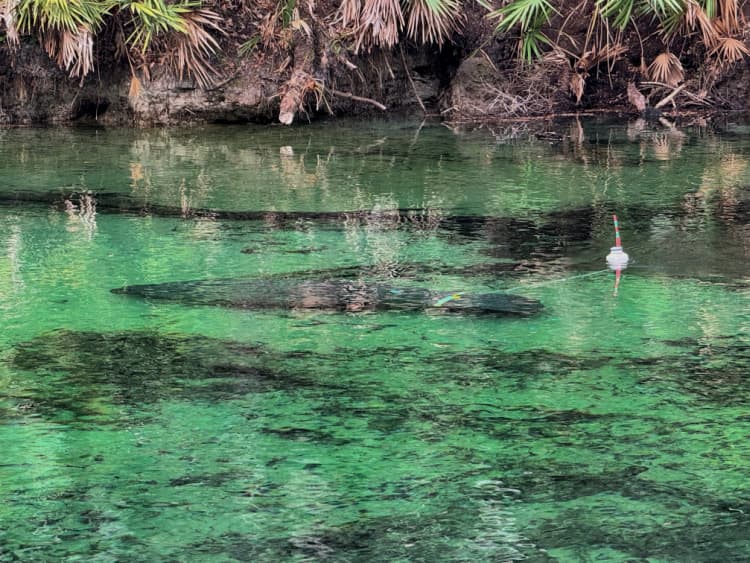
[[67, 29], [717, 22], [181, 32]]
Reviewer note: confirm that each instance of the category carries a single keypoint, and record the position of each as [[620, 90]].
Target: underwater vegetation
[[78, 373]]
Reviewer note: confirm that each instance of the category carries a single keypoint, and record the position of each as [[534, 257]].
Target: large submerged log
[[330, 295]]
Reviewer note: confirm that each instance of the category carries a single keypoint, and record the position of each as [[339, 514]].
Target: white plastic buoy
[[617, 259]]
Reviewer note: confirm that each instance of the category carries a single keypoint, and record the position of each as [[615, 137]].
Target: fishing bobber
[[617, 259]]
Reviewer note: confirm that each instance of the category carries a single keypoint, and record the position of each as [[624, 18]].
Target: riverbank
[[300, 71]]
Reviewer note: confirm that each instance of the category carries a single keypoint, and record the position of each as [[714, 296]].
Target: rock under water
[[330, 295]]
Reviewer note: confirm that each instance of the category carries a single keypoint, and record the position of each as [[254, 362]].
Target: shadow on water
[[451, 514], [711, 369], [659, 238], [481, 523], [77, 374]]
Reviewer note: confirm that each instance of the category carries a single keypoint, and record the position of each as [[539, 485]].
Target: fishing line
[[560, 280], [617, 260]]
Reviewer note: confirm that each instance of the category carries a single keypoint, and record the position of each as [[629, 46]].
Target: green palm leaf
[[62, 15], [664, 8], [710, 7], [618, 11], [527, 14], [531, 45], [153, 17]]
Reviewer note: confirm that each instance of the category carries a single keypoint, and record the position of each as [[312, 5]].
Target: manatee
[[330, 295]]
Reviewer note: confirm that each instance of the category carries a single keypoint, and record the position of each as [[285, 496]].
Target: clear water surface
[[186, 426]]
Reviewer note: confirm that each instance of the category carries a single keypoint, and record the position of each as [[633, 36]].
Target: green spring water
[[604, 428]]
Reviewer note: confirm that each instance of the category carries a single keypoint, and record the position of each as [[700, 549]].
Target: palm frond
[[191, 49], [527, 14], [730, 15], [730, 50], [671, 23], [709, 6], [59, 15], [530, 45], [287, 10], [348, 12], [153, 17], [8, 17], [618, 11], [666, 68], [73, 51], [663, 8], [379, 24], [432, 21]]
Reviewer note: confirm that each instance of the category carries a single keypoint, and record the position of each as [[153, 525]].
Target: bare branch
[[356, 98]]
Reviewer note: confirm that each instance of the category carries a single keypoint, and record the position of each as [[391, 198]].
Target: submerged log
[[330, 295]]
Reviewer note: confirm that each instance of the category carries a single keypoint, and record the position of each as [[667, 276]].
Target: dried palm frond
[[636, 98], [432, 21], [72, 51], [729, 14], [576, 84], [666, 68], [7, 15], [594, 57], [730, 50], [193, 47], [697, 17], [65, 29], [135, 87], [348, 12], [380, 21]]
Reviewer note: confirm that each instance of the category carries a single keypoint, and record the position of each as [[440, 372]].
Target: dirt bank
[[475, 76]]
